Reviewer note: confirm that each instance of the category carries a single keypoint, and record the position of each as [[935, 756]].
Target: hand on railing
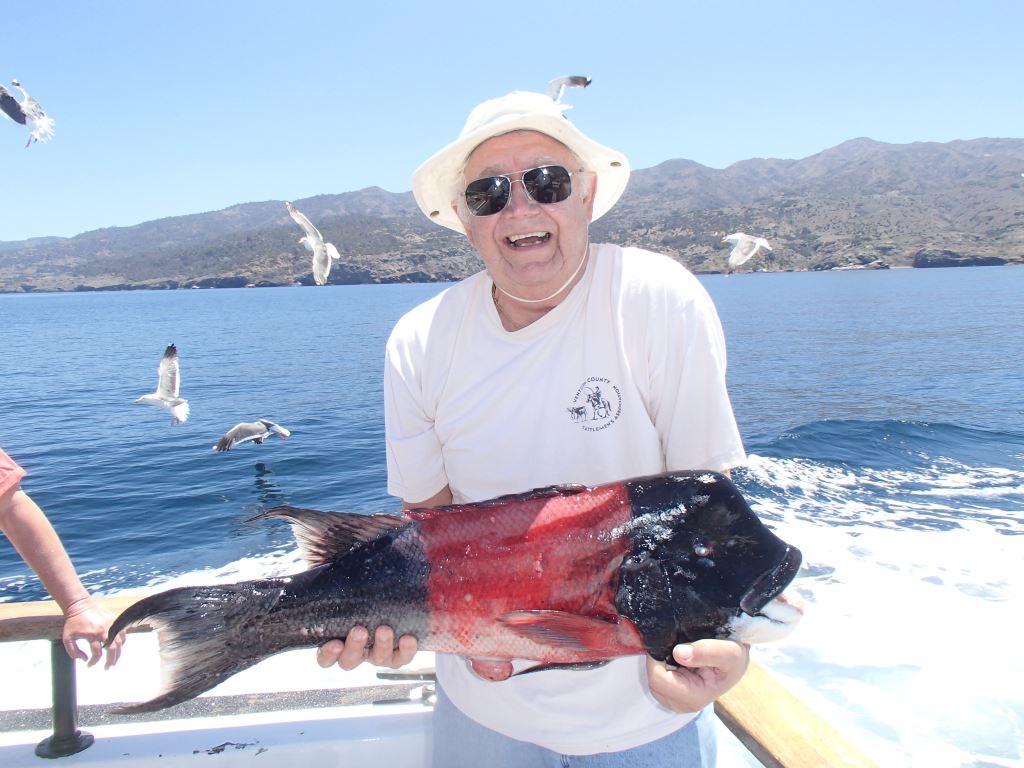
[[86, 620]]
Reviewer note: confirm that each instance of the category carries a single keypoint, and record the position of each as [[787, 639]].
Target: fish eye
[[701, 549]]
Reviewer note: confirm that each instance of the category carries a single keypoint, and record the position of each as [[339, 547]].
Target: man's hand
[[707, 669], [353, 651]]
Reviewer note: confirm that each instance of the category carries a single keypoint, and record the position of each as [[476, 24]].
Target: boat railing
[[43, 620], [777, 728]]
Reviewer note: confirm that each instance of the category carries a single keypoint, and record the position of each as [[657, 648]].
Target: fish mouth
[[771, 584]]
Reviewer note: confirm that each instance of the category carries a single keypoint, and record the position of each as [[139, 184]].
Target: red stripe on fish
[[535, 577]]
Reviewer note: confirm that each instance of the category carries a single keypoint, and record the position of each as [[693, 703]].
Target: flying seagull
[[557, 86], [27, 112], [745, 247], [168, 379], [250, 431], [323, 253]]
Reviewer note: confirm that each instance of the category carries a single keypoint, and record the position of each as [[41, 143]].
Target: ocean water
[[883, 414]]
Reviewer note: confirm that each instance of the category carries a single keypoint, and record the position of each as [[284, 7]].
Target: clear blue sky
[[169, 108]]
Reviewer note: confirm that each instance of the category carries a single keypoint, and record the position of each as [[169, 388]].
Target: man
[[562, 362], [24, 523]]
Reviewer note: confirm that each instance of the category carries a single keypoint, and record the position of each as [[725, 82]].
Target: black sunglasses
[[546, 184]]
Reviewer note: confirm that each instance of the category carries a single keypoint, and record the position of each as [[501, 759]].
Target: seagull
[[744, 248], [166, 394], [323, 253], [27, 112], [254, 431], [557, 86]]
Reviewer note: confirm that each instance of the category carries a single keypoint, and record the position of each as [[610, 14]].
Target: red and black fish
[[565, 575]]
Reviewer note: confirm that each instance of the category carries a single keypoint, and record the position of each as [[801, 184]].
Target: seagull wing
[[321, 265], [742, 252], [557, 86], [277, 429], [746, 248], [168, 374], [240, 433], [225, 443], [314, 241], [10, 107], [39, 124], [332, 251], [307, 226]]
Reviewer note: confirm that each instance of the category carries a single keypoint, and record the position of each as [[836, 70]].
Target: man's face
[[529, 248]]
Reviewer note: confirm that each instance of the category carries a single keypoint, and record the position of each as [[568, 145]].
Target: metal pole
[[66, 739]]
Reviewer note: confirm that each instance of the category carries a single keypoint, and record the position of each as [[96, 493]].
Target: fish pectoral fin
[[578, 666], [563, 630]]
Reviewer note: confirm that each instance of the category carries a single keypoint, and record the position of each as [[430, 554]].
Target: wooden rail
[[778, 729], [42, 620]]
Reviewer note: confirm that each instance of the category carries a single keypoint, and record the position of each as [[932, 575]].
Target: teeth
[[517, 238]]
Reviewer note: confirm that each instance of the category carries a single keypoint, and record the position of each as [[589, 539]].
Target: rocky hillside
[[860, 204]]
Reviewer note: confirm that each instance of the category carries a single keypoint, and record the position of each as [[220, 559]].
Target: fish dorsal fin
[[325, 536], [560, 629], [551, 491]]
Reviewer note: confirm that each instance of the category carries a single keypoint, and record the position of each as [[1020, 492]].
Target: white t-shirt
[[625, 377]]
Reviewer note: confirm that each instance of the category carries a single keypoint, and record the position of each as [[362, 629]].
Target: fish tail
[[202, 636]]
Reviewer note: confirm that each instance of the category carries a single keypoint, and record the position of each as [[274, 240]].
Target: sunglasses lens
[[486, 197], [548, 184]]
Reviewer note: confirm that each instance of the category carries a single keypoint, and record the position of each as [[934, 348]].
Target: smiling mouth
[[528, 239]]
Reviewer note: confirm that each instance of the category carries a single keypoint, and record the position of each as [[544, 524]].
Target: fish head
[[699, 559]]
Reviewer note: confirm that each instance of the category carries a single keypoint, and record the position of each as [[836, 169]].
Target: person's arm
[[351, 652], [37, 542]]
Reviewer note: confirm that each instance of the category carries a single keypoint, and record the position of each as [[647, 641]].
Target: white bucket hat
[[438, 182]]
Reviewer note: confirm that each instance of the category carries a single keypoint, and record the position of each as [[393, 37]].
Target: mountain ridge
[[860, 204]]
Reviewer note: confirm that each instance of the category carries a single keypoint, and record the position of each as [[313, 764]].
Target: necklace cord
[[547, 298]]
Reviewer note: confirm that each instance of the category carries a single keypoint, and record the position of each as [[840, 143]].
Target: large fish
[[565, 575]]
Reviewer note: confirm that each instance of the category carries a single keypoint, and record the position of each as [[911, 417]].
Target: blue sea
[[883, 414]]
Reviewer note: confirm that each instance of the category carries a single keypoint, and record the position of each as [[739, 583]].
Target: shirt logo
[[597, 404]]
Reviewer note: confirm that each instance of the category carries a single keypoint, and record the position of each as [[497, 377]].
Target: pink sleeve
[[10, 472]]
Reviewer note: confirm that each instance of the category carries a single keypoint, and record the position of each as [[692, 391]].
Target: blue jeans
[[459, 741]]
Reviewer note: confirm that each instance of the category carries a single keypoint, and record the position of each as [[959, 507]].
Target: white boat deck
[[324, 736], [286, 711]]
